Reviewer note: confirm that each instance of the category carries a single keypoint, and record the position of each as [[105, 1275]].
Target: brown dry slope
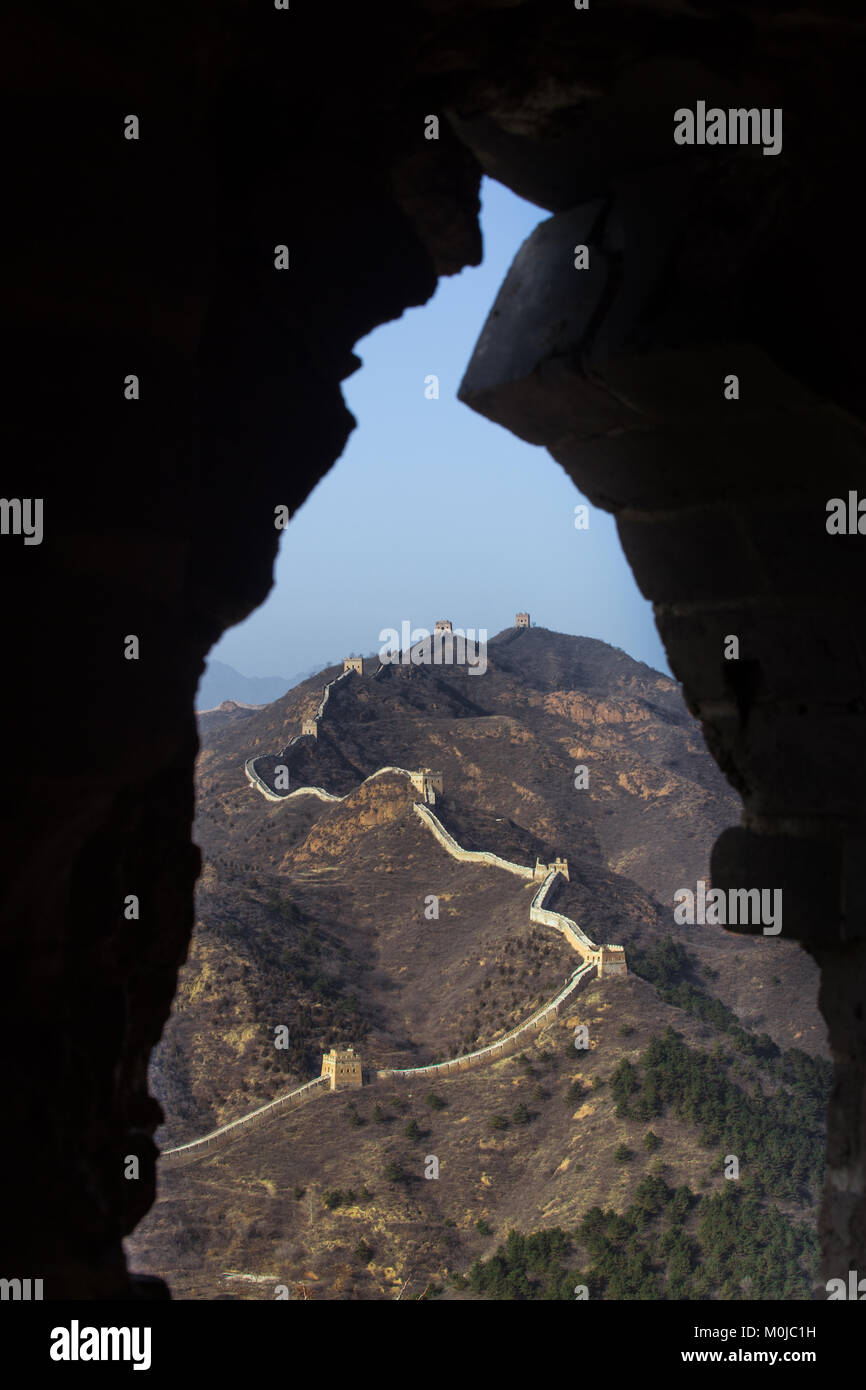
[[312, 915], [335, 1201]]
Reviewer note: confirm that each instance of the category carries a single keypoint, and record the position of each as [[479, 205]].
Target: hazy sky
[[434, 512]]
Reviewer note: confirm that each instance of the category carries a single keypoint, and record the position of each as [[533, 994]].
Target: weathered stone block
[[799, 557], [808, 871], [798, 655], [697, 554], [753, 454], [804, 763], [525, 372], [686, 386]]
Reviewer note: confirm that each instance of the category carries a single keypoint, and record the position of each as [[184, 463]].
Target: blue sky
[[433, 511]]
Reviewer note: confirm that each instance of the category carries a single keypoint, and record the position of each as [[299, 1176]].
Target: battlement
[[428, 783], [559, 866], [342, 1067], [353, 663], [521, 620]]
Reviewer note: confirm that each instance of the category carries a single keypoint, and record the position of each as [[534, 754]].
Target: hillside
[[511, 739], [229, 712], [333, 1203], [311, 914]]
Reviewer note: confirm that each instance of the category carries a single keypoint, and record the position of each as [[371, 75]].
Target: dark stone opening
[[156, 257]]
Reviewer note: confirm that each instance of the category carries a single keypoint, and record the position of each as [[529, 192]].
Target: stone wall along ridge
[[590, 955], [260, 786], [197, 1147], [467, 856], [505, 1045]]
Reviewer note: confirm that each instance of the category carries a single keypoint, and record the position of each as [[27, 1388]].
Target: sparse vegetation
[[265, 953], [781, 1135], [667, 966], [574, 1094], [669, 1244]]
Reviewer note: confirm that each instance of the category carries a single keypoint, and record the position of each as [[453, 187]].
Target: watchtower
[[558, 865], [611, 961], [443, 625], [428, 783], [353, 663], [343, 1067], [309, 729], [521, 620]]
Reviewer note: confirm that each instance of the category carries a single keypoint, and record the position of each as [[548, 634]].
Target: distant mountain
[[221, 682]]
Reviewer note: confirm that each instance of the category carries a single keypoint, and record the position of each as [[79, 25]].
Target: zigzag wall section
[[590, 954]]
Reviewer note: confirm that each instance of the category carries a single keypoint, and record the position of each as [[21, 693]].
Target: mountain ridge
[[311, 913], [220, 682]]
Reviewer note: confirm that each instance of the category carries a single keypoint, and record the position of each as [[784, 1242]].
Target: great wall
[[597, 961], [196, 1148]]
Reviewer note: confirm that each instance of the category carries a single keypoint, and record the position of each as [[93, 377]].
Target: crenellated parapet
[[556, 866]]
